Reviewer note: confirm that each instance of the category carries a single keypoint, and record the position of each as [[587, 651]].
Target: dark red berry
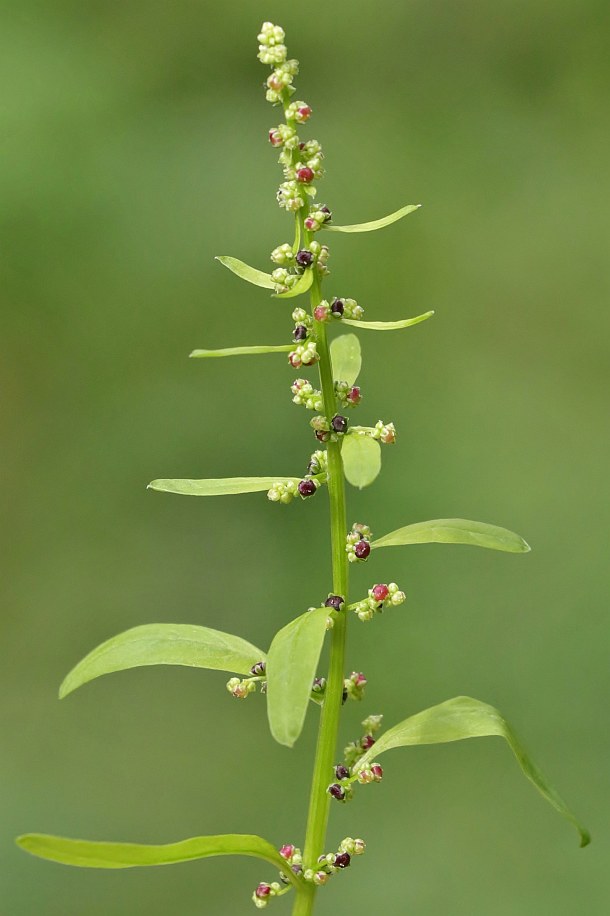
[[380, 592], [377, 771], [366, 742], [263, 890], [304, 258], [334, 601], [287, 851], [362, 549], [337, 791], [341, 771], [337, 307], [342, 860], [258, 669], [305, 175], [339, 423], [306, 488], [354, 396], [300, 332]]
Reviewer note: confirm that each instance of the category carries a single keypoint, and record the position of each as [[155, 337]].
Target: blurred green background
[[134, 149]]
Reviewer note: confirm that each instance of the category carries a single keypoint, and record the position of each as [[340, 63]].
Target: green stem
[[319, 802]]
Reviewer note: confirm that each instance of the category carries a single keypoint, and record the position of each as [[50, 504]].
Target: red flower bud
[[305, 175], [380, 592]]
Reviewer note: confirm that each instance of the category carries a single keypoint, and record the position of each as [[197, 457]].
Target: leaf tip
[[585, 837]]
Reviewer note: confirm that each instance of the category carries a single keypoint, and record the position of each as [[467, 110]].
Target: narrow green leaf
[[455, 531], [460, 718], [376, 223], [361, 459], [251, 274], [164, 644], [387, 325], [85, 854], [346, 358], [291, 668], [217, 486], [301, 286], [240, 351]]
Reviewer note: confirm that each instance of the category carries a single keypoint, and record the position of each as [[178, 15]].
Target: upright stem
[[333, 698]]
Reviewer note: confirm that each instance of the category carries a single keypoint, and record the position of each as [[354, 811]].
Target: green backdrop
[[134, 149]]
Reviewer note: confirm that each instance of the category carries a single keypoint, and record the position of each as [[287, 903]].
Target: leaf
[[375, 224], [217, 486], [387, 325], [86, 854], [455, 531], [301, 286], [361, 459], [460, 718], [240, 351], [346, 358], [164, 644], [251, 274], [291, 667]]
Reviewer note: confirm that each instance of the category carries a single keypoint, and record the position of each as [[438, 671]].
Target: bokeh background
[[134, 149]]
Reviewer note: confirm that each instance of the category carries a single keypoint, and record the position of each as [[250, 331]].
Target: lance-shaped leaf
[[346, 358], [387, 325], [164, 644], [251, 274], [291, 667], [455, 531], [460, 718], [240, 351], [301, 286], [86, 854], [376, 223], [218, 486], [361, 459]]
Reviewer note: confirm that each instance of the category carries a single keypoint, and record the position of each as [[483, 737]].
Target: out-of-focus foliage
[[133, 151]]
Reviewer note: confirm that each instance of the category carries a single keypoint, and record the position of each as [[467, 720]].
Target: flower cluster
[[304, 393], [358, 544], [384, 432], [304, 355], [327, 865], [347, 395], [353, 686], [379, 596], [242, 688], [337, 309], [271, 49]]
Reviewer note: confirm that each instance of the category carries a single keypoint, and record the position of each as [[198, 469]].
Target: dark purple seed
[[362, 549], [339, 423], [300, 332], [342, 860], [337, 307], [328, 215], [258, 669], [307, 488], [341, 771], [335, 601], [366, 742], [304, 258], [337, 791]]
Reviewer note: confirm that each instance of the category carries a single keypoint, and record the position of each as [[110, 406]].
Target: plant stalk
[[319, 801]]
